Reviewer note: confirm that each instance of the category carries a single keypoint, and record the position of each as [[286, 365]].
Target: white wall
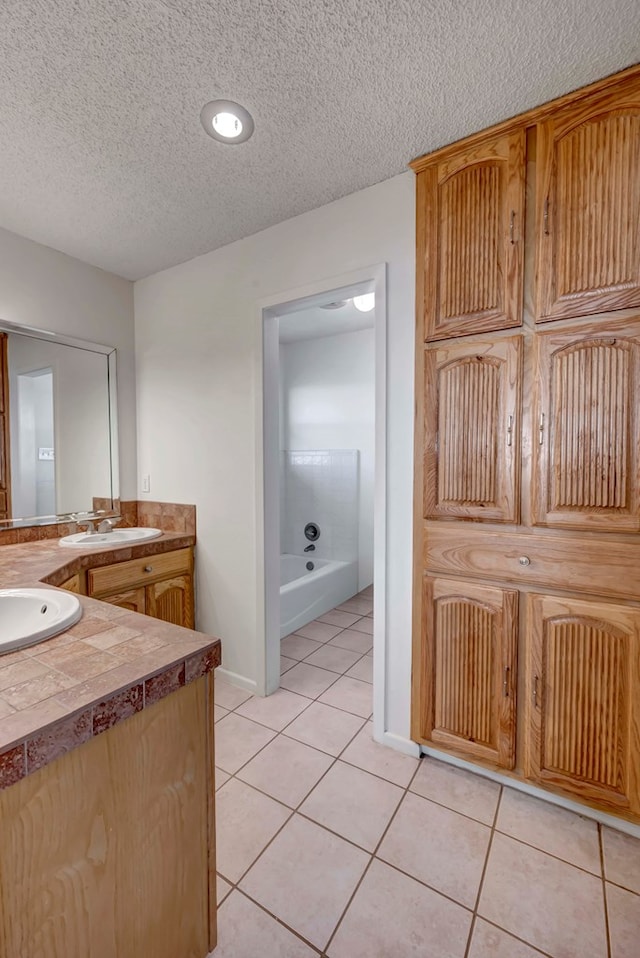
[[43, 288], [198, 356], [328, 402]]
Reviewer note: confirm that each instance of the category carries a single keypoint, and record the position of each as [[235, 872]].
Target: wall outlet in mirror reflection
[[46, 453]]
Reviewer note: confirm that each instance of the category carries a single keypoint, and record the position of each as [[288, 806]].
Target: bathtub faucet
[[310, 548]]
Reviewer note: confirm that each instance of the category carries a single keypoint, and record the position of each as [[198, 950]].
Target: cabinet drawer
[[135, 572], [578, 564]]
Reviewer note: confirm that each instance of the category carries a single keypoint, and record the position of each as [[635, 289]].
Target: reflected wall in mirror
[[58, 448]]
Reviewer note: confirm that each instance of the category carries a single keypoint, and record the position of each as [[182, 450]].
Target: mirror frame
[[49, 336]]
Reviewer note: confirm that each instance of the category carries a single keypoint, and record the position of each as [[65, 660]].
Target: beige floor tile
[[219, 713], [362, 670], [221, 777], [491, 942], [318, 631], [311, 896], [228, 696], [297, 647], [246, 931], [325, 728], [365, 624], [307, 680], [621, 858], [350, 695], [393, 916], [551, 905], [354, 641], [437, 846], [552, 829], [246, 821], [354, 804], [624, 922], [332, 658], [343, 619], [238, 740], [275, 710], [363, 606], [379, 759], [222, 889], [458, 789], [286, 664], [286, 769]]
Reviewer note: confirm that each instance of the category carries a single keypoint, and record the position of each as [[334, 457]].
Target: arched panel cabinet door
[[583, 699], [172, 600], [470, 238], [464, 695], [588, 205], [472, 430], [586, 453]]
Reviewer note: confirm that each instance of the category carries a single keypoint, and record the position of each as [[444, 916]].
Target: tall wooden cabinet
[[5, 458], [527, 466]]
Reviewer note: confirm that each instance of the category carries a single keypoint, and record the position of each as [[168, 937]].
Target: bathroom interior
[[319, 508]]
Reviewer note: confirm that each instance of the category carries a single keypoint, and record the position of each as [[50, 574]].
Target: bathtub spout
[[310, 548]]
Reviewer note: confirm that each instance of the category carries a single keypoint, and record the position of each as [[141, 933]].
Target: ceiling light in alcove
[[365, 303], [337, 305], [226, 121]]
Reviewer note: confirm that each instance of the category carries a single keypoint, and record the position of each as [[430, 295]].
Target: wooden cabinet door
[[465, 674], [5, 465], [172, 600], [587, 451], [72, 584], [588, 206], [470, 237], [132, 599], [471, 430], [583, 700]]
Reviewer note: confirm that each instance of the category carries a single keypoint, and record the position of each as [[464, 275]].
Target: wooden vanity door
[[471, 430], [588, 206], [583, 698], [172, 600], [470, 237], [587, 449], [465, 692]]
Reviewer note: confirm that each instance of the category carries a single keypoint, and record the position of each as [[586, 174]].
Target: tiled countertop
[[111, 664]]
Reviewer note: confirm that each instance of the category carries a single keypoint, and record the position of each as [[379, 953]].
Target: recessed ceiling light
[[339, 303], [365, 303], [226, 121]]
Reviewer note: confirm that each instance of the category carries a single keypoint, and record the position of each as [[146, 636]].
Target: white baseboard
[[521, 786], [400, 744], [241, 681]]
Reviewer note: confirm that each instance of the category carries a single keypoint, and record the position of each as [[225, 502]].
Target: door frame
[[267, 520]]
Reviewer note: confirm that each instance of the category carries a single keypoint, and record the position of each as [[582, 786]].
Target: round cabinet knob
[[149, 568], [524, 560]]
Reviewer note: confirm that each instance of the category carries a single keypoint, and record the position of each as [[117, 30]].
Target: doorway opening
[[323, 446], [33, 479]]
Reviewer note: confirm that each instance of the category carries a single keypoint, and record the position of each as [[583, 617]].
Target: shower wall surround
[[320, 486]]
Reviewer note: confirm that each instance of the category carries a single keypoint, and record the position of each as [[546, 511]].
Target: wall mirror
[[58, 441]]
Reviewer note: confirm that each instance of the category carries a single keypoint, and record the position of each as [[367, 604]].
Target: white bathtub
[[304, 594]]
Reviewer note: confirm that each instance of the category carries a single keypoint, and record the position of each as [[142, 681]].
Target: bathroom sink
[[28, 616], [117, 537]]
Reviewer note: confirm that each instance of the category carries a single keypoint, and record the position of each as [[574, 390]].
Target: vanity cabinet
[[159, 585], [527, 460]]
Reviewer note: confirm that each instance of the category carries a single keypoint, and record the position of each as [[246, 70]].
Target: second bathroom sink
[[114, 538], [28, 616]]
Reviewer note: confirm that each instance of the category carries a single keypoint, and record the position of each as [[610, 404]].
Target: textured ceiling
[[102, 154]]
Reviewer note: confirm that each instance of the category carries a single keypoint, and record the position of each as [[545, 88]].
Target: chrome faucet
[[310, 548], [106, 525]]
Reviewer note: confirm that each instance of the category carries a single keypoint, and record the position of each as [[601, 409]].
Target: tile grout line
[[474, 915], [607, 930]]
